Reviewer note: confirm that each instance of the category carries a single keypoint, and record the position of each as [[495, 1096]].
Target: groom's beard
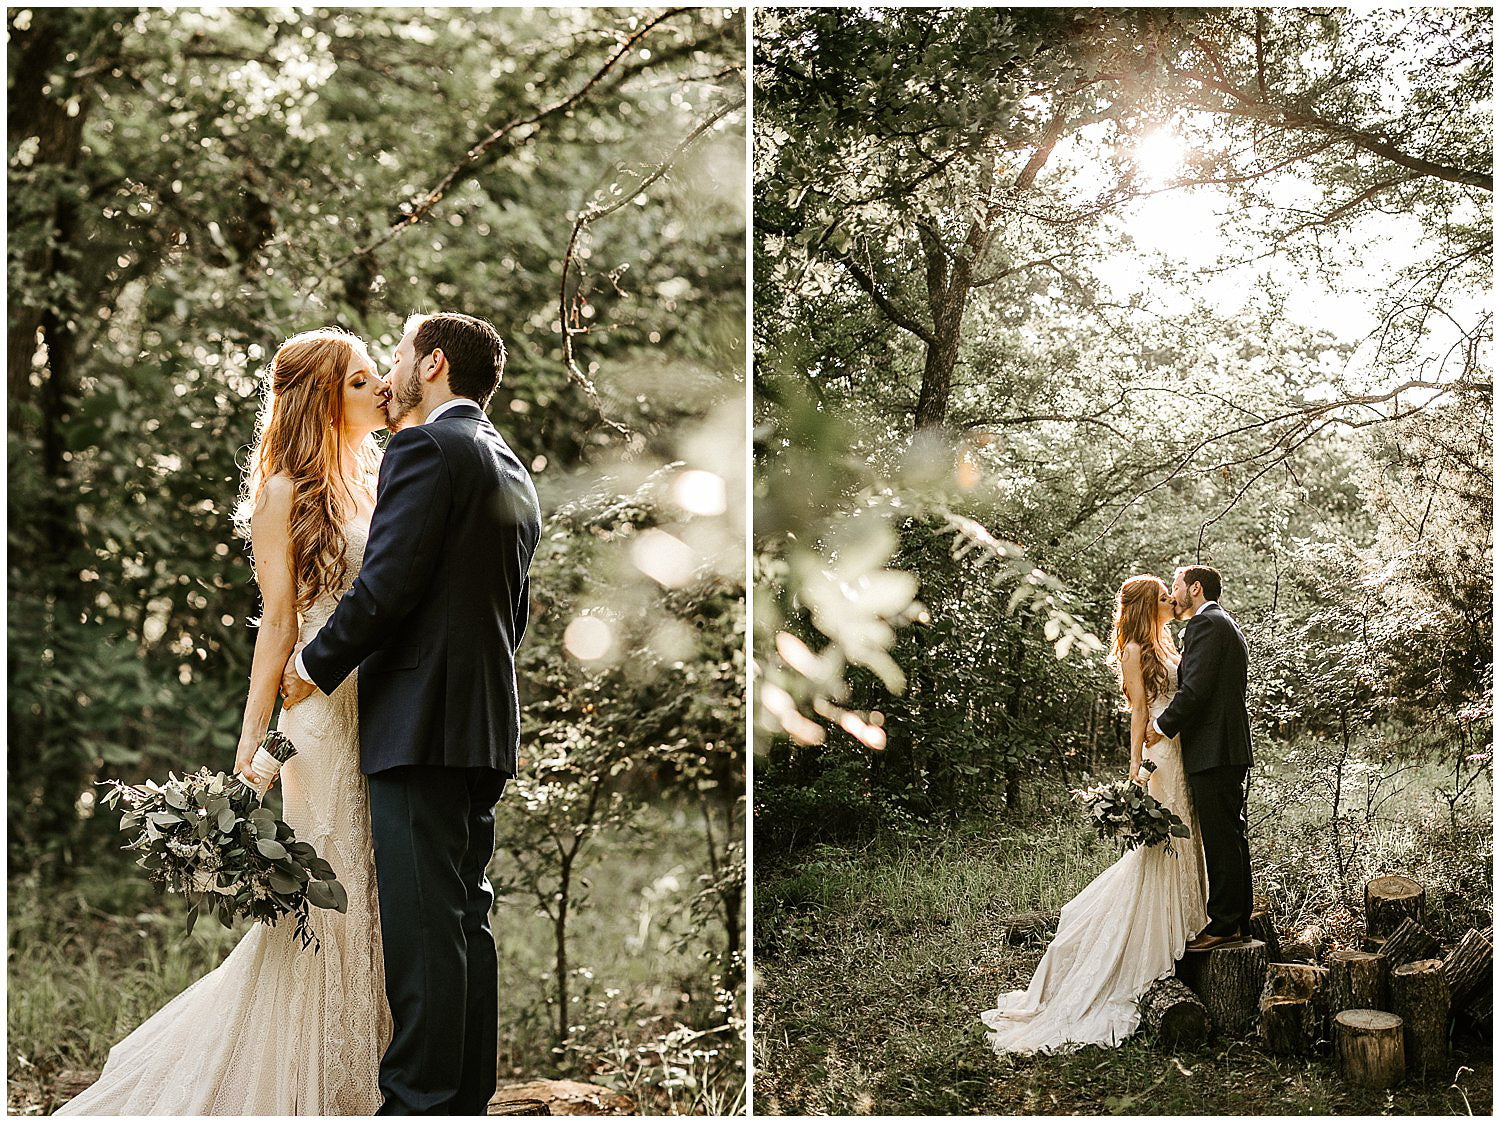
[[405, 397]]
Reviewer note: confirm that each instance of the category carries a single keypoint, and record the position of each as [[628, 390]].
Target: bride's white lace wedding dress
[[277, 1029], [1124, 931]]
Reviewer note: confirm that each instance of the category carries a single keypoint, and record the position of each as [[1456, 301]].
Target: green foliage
[[659, 710], [208, 837], [89, 962], [1123, 811]]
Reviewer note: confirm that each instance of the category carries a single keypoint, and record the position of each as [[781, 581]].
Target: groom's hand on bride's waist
[[294, 688]]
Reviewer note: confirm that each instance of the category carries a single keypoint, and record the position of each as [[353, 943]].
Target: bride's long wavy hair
[[297, 434], [1137, 612]]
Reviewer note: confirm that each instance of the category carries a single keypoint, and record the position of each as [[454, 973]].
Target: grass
[[873, 963], [89, 964]]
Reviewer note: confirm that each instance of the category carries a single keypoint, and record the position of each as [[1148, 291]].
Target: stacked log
[[1370, 1048], [1467, 969], [1386, 1009], [1293, 1008], [1408, 943], [1419, 997], [1229, 980], [1388, 901], [1305, 945], [1028, 927], [1263, 928], [1174, 1014], [1357, 980], [558, 1097]]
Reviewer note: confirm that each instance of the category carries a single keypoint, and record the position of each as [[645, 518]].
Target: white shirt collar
[[450, 404], [1201, 607]]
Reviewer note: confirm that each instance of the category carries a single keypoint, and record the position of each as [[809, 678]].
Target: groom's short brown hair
[[473, 348], [1205, 575]]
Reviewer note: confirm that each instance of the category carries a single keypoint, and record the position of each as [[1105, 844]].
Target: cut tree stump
[[1409, 942], [1370, 1048], [1357, 981], [1294, 1008], [1468, 968], [1388, 901], [558, 1097], [1263, 928], [1229, 981], [1419, 997], [1174, 1014], [1288, 1026]]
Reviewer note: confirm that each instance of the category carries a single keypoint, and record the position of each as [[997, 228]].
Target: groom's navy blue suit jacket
[[440, 603], [1209, 708]]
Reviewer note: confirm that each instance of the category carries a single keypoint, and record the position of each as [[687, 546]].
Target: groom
[[432, 623], [1209, 713]]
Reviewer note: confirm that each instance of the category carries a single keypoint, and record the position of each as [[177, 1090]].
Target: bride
[[1128, 928], [277, 1029]]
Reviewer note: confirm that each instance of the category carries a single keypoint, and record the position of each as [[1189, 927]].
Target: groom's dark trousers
[[1209, 714], [434, 832], [1219, 800], [432, 623]]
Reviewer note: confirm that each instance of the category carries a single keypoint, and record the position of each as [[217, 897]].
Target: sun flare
[[1159, 155]]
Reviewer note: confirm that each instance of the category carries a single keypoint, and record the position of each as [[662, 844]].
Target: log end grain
[[1370, 1048]]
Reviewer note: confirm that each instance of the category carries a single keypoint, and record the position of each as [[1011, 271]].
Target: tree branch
[[896, 315], [1308, 413], [423, 206], [1247, 106], [568, 318]]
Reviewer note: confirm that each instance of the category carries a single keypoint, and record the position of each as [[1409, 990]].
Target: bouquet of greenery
[[1128, 813], [207, 837]]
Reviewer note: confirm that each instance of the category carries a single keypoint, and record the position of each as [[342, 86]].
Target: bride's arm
[[1140, 712], [270, 542]]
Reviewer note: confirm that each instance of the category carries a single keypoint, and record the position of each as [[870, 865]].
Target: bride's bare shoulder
[[1130, 656], [274, 503]]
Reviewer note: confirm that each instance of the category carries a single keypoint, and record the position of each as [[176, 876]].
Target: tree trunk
[[57, 122], [1230, 981], [1356, 981], [560, 945], [1174, 1015], [1419, 997], [937, 369], [1468, 968], [1390, 900], [1370, 1049], [37, 110]]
